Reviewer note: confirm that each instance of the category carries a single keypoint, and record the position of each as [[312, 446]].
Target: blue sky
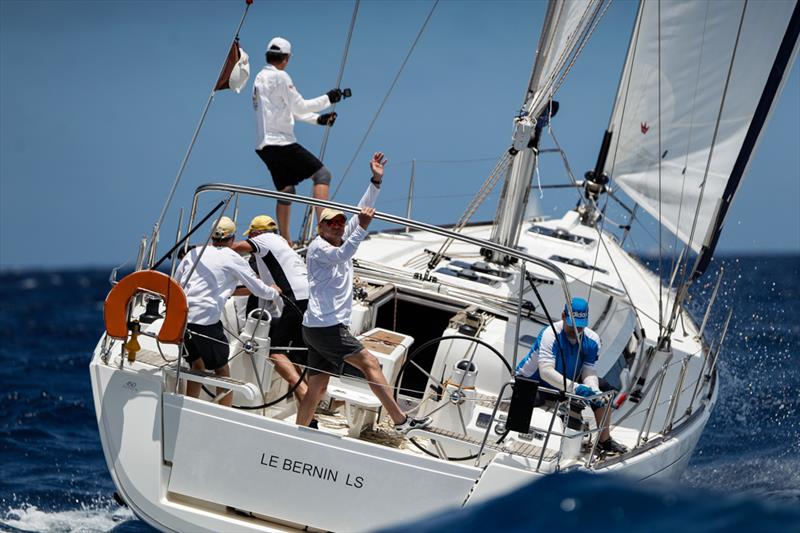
[[98, 101]]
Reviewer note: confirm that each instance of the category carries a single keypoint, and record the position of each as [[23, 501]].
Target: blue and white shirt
[[545, 358]]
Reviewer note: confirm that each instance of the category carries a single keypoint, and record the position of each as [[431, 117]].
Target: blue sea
[[745, 473]]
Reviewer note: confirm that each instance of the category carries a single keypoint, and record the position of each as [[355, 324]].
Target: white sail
[[682, 140], [567, 23]]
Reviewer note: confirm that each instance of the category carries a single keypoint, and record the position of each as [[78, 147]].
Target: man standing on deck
[[218, 271], [325, 324], [576, 347], [277, 263], [277, 104]]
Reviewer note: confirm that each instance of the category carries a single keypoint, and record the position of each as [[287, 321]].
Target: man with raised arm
[[327, 319], [277, 104], [208, 285], [277, 263], [556, 356]]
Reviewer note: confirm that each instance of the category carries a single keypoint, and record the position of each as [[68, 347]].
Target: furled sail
[[567, 24], [699, 84]]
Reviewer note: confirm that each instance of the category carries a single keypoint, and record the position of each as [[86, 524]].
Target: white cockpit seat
[[360, 404]]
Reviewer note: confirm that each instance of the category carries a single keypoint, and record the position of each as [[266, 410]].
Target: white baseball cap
[[280, 45]]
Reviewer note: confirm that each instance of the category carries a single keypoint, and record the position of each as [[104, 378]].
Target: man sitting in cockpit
[[560, 351]]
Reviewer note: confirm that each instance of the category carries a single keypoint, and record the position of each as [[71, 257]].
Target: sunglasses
[[337, 222]]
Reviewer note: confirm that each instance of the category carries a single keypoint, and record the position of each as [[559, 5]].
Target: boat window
[[479, 272], [526, 340], [483, 267], [560, 234], [580, 263]]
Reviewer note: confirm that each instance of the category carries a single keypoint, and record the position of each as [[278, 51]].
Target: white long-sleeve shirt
[[277, 104], [217, 275], [330, 272]]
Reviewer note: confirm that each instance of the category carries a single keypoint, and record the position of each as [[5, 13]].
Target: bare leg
[[193, 388], [317, 385], [287, 371], [284, 214], [225, 372], [320, 192], [599, 415], [367, 363]]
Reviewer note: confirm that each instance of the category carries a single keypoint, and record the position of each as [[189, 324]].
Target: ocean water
[[745, 472]]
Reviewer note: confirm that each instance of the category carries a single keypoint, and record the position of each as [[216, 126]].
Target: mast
[[567, 26]]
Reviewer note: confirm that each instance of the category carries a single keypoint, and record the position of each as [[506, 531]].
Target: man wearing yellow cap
[[327, 319], [209, 275], [277, 263]]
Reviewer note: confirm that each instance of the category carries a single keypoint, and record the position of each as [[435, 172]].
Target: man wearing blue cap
[[570, 350]]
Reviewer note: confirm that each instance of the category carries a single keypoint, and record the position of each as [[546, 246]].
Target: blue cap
[[580, 310]]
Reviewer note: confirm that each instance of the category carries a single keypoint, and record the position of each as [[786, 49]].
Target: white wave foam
[[87, 519]]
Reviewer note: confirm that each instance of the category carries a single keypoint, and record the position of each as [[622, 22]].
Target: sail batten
[[692, 106]]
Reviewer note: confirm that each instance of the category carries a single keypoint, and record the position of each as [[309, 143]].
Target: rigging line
[[675, 260], [566, 52], [323, 147], [197, 129], [208, 240], [637, 310], [428, 197], [685, 272], [594, 23], [341, 73], [572, 53], [480, 196], [597, 251], [660, 229], [385, 98], [634, 48]]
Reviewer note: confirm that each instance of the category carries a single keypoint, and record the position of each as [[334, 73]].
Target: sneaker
[[612, 446], [413, 423]]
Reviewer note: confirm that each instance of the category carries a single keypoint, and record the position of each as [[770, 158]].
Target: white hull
[[184, 464]]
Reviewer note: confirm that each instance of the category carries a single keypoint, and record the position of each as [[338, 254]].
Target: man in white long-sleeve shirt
[[566, 351], [326, 321], [277, 104], [218, 272]]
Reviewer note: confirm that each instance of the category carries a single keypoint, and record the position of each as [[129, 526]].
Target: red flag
[[236, 70]]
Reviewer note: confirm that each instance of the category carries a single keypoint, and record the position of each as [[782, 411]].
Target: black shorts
[[210, 345], [287, 330], [328, 347], [289, 164]]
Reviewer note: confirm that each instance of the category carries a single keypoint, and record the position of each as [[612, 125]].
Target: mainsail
[[698, 87]]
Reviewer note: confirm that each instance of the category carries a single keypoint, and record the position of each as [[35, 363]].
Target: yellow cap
[[261, 223], [225, 228], [330, 214]]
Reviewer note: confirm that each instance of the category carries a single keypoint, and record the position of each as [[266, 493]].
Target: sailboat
[[450, 311]]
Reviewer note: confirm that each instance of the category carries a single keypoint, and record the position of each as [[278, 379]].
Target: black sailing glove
[[334, 95], [326, 119]]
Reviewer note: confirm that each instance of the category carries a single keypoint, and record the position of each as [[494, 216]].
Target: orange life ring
[[116, 307]]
